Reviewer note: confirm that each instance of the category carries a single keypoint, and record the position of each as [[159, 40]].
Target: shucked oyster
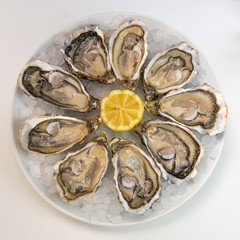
[[136, 175], [175, 149], [202, 108], [56, 86], [80, 173], [170, 69], [54, 134], [128, 51], [86, 54]]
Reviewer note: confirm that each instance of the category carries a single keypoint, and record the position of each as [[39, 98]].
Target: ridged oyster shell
[[80, 173], [202, 108], [56, 86], [51, 134], [128, 50], [86, 55], [136, 176], [176, 150], [170, 69]]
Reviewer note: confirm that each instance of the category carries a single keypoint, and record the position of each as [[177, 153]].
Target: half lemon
[[121, 110]]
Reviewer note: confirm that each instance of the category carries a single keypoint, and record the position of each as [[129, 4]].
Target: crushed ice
[[104, 206]]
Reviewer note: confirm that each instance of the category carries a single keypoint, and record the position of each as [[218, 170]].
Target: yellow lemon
[[121, 110]]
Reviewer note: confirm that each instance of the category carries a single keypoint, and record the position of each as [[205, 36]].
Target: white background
[[214, 26]]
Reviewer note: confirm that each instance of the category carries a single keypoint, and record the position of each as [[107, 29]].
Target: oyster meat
[[86, 54], [56, 86], [170, 69], [128, 51], [53, 134], [202, 108], [175, 149], [136, 175], [80, 173]]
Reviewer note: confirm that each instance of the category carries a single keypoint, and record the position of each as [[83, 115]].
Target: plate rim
[[52, 203]]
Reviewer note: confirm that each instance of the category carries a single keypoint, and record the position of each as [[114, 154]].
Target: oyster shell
[[86, 55], [202, 108], [170, 69], [136, 176], [53, 134], [128, 51], [80, 173], [56, 86], [175, 149]]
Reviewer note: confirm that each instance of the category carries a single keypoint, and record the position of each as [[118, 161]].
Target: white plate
[[38, 169]]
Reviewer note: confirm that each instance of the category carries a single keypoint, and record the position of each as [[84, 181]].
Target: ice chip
[[34, 168], [169, 191], [101, 214], [166, 202], [181, 189], [25, 112], [115, 219], [156, 35], [52, 189], [154, 47], [87, 208]]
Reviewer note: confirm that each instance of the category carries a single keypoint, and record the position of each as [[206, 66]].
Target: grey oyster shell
[[56, 86], [136, 176], [51, 134], [80, 173], [128, 50], [175, 149], [202, 108], [86, 55], [170, 69]]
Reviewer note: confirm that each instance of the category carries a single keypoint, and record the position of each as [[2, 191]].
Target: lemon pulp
[[121, 110]]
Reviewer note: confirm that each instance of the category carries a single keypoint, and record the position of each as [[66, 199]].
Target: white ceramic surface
[[163, 36]]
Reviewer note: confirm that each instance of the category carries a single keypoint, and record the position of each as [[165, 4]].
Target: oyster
[[86, 54], [128, 51], [53, 134], [56, 86], [80, 173], [170, 69], [136, 175], [202, 108], [175, 149]]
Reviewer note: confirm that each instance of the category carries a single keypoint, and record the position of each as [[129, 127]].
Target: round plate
[[103, 208]]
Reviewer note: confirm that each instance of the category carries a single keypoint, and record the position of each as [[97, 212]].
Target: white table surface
[[214, 26]]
